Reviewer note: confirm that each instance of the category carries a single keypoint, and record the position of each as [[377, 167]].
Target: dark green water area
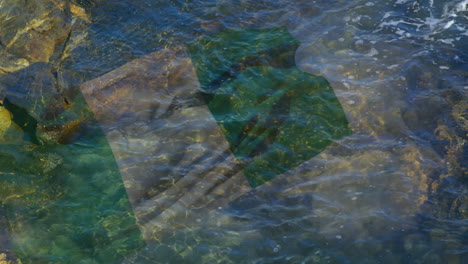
[[348, 118], [274, 115]]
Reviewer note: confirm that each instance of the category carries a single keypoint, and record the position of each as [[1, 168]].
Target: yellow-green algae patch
[[5, 121]]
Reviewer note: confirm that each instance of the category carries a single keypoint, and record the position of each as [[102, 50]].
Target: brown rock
[[38, 31], [42, 29], [79, 12], [34, 46]]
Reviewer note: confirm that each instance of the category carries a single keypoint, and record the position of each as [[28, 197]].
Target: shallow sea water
[[394, 191]]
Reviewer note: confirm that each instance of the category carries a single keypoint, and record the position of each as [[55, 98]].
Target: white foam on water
[[449, 24], [441, 20], [463, 6], [401, 1], [372, 52], [447, 41]]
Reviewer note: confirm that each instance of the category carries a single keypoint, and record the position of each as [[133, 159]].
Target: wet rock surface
[[36, 37], [37, 31], [40, 104]]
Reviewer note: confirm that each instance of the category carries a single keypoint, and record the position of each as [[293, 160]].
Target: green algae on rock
[[273, 115]]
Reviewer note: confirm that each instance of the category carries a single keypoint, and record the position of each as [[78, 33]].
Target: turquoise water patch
[[66, 203], [274, 115]]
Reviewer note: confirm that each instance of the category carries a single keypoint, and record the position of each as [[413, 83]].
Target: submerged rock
[[169, 148], [184, 150]]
